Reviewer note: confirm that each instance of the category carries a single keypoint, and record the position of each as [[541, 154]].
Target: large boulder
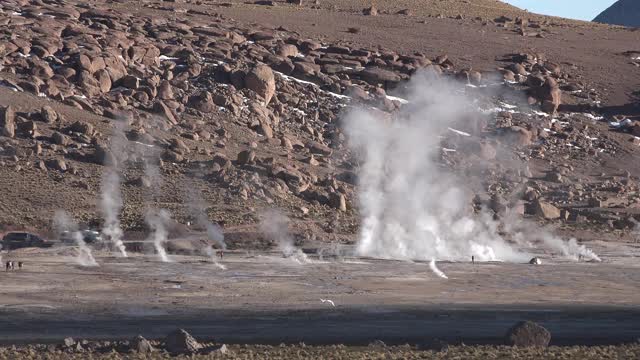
[[376, 75], [546, 210], [181, 342], [261, 80], [551, 96], [528, 334]]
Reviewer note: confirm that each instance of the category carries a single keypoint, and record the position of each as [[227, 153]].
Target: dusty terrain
[[258, 297], [224, 109]]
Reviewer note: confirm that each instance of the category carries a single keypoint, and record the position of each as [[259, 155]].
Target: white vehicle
[[89, 236]]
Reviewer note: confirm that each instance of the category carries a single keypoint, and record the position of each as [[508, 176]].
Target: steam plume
[[199, 212], [157, 221], [111, 199], [275, 226], [63, 223], [434, 268], [412, 207]]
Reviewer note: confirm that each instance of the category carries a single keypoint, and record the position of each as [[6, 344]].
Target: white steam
[[275, 226], [412, 206], [434, 268], [198, 210], [62, 222], [158, 222], [211, 253], [111, 199]]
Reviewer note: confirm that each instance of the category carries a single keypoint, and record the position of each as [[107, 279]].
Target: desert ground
[[327, 297], [285, 136]]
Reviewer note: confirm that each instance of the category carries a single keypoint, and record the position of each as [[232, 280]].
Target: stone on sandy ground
[[528, 334], [181, 342], [141, 345]]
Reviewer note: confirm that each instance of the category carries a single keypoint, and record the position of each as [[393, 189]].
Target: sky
[[573, 9]]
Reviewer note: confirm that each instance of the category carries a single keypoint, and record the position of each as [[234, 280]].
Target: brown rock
[[7, 121], [181, 342], [246, 157], [370, 11], [528, 334], [287, 50], [338, 201], [261, 80], [57, 164], [141, 345], [130, 82], [517, 136], [48, 114], [266, 130], [59, 139], [165, 92], [104, 80], [546, 210], [161, 108]]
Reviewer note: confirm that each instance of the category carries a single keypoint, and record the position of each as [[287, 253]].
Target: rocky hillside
[[623, 12], [202, 113]]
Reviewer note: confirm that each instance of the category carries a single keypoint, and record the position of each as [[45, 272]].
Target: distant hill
[[623, 12]]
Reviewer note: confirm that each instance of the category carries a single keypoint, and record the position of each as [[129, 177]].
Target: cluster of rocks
[[255, 109], [522, 26], [190, 88], [178, 342]]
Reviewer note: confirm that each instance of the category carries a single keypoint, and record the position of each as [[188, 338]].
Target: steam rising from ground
[[111, 199], [158, 221], [412, 207], [275, 226], [199, 212], [63, 223]]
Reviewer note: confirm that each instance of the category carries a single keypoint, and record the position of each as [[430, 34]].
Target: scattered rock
[[261, 80], [141, 345], [546, 210], [528, 334], [48, 114], [370, 11], [7, 121], [181, 342]]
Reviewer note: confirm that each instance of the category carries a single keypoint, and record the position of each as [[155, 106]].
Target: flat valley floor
[[264, 298]]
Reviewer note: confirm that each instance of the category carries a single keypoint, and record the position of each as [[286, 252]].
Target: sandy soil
[[302, 351]]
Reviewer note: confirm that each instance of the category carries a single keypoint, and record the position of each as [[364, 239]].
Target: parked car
[[16, 240], [89, 236]]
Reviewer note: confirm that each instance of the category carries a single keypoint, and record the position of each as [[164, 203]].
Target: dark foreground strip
[[471, 325]]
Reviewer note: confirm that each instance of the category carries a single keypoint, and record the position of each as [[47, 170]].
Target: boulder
[[246, 157], [7, 121], [141, 345], [370, 11], [287, 50], [262, 81], [517, 136], [161, 108], [57, 164], [546, 210], [48, 114], [165, 92], [528, 334], [181, 342], [59, 139], [376, 75], [203, 101]]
